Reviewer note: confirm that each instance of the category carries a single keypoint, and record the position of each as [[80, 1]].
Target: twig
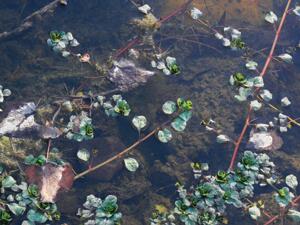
[[262, 74], [27, 23], [274, 218], [119, 155]]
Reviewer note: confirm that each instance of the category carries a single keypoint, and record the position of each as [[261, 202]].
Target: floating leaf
[[255, 105], [144, 9], [244, 93], [222, 138], [296, 10], [139, 122], [251, 65], [266, 95], [186, 115], [178, 124], [286, 58], [254, 212], [196, 13], [164, 135], [271, 17], [35, 216], [285, 102], [294, 214], [291, 181], [8, 182], [131, 164], [83, 154], [169, 107], [16, 209]]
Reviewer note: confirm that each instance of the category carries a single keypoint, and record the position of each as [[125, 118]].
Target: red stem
[[162, 20], [274, 218], [263, 73], [177, 11]]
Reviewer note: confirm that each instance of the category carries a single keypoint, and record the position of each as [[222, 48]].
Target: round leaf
[[169, 107], [131, 164], [139, 122], [83, 154], [164, 135]]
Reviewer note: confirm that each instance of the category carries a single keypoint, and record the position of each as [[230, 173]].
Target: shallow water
[[35, 73]]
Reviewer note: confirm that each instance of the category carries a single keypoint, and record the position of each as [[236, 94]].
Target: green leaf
[[83, 154], [178, 124], [35, 216], [139, 122], [16, 209], [169, 107], [131, 164], [8, 182], [164, 135], [294, 214]]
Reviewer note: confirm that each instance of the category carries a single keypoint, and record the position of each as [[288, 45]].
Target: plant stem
[[274, 218], [162, 20], [262, 74], [119, 155]]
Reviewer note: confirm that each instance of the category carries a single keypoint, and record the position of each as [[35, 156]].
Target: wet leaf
[[16, 209], [291, 181], [285, 102], [286, 58], [139, 122], [271, 17], [196, 13], [169, 107], [83, 154], [8, 182], [294, 214], [131, 164], [254, 212], [164, 135]]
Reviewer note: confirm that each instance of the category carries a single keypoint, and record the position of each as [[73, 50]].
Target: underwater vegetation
[[73, 125]]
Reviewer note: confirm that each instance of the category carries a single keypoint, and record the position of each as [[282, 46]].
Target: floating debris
[[286, 58], [271, 17], [196, 13], [285, 102], [262, 140], [127, 76], [19, 120], [144, 9], [50, 179]]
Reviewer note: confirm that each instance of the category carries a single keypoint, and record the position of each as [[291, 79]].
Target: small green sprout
[[185, 105]]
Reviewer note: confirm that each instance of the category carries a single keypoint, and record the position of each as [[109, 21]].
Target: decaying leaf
[[50, 179]]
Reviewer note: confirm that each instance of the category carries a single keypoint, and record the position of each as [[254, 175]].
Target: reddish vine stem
[[263, 73], [162, 20], [274, 218]]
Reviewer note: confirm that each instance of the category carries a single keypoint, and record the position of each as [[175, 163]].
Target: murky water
[[34, 73]]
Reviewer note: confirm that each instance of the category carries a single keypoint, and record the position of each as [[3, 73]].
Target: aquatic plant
[[80, 128], [23, 199], [116, 106], [98, 211], [206, 201], [182, 111], [3, 93], [59, 42]]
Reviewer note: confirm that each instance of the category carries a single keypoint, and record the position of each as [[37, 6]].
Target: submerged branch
[[27, 23]]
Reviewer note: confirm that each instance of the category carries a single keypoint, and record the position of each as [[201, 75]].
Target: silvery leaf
[[286, 58], [285, 102], [255, 105], [291, 181], [131, 164], [83, 154], [271, 17], [196, 13]]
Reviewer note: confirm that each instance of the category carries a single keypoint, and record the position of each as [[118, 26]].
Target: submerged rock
[[265, 140], [19, 120], [126, 75]]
